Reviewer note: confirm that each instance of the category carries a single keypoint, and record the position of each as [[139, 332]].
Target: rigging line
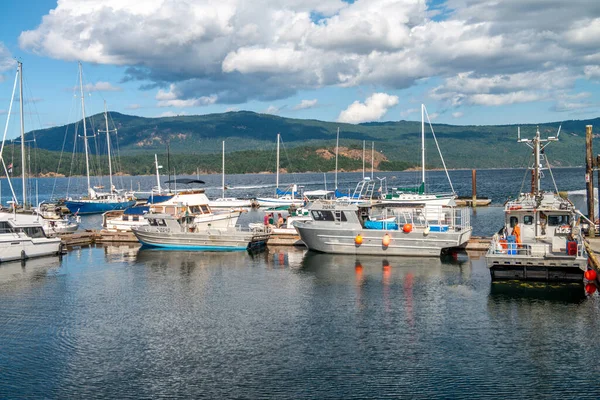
[[9, 113], [528, 161], [439, 151], [551, 174]]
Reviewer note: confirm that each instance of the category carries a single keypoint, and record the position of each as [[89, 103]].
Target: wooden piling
[[474, 187], [589, 178]]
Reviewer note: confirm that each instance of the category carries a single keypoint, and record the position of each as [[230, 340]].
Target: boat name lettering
[[328, 207]]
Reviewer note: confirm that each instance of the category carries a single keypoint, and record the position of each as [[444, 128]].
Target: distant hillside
[[462, 146]]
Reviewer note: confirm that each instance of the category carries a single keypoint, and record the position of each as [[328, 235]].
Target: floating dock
[[468, 202]]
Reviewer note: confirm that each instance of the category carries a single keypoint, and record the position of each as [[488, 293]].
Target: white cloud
[[305, 104], [171, 98], [271, 110], [406, 113], [98, 87], [233, 51], [6, 60], [457, 114], [372, 109], [172, 114]]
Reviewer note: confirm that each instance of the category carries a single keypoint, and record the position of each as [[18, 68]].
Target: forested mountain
[[251, 137]]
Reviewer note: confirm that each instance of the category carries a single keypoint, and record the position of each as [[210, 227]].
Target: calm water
[[121, 322]]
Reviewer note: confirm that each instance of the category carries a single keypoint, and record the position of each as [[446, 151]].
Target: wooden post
[[589, 178], [474, 188]]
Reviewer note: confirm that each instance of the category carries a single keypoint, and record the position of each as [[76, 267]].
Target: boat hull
[[83, 207], [209, 240], [543, 269], [414, 243], [15, 246]]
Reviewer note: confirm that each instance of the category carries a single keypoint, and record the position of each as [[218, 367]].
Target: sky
[[475, 62]]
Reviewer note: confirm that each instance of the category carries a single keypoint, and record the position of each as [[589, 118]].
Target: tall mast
[[372, 158], [85, 142], [363, 159], [169, 165], [536, 170], [23, 168], [223, 169], [277, 179], [423, 143], [108, 146], [157, 174], [337, 145]]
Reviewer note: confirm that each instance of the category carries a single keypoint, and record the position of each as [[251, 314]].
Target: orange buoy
[[590, 288], [358, 240], [590, 275], [407, 228], [386, 239]]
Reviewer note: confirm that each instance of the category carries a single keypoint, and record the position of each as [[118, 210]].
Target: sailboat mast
[[169, 165], [423, 143], [108, 146], [85, 141], [372, 158], [277, 179], [536, 170], [223, 169], [157, 174], [337, 145], [23, 168], [363, 159]]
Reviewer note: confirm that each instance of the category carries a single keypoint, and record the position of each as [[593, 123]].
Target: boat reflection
[[509, 291], [189, 260], [337, 266], [32, 270]]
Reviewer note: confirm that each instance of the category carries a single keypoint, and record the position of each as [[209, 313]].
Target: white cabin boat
[[346, 228], [547, 243]]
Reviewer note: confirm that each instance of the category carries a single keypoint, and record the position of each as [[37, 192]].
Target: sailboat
[[282, 197], [404, 195], [228, 202], [97, 202], [22, 235]]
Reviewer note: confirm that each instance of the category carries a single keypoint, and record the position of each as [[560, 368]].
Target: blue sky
[[471, 62]]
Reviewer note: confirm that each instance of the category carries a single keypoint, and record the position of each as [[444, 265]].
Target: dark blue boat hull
[[83, 207]]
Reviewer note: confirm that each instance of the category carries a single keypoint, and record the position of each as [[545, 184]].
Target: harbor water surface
[[125, 322]]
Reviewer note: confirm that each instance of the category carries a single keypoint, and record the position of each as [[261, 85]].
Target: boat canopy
[[286, 192], [415, 189], [139, 210]]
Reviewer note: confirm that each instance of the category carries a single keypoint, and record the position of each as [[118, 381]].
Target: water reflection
[[31, 270], [510, 291]]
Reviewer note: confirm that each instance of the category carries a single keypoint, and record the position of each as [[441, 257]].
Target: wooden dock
[[91, 236], [468, 202]]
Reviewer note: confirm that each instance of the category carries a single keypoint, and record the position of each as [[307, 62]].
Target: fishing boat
[[189, 202], [97, 202], [540, 239], [167, 231], [54, 221], [228, 202], [403, 229], [21, 234], [418, 194], [286, 197]]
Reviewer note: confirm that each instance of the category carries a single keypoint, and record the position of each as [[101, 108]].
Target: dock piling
[[474, 188], [589, 178]]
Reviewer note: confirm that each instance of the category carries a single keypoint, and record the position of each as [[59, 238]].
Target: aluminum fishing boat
[[403, 230], [541, 239], [166, 231]]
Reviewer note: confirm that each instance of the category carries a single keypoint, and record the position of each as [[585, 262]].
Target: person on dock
[[516, 231], [279, 220], [266, 220]]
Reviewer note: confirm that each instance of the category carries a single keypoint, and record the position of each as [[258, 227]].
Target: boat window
[[4, 227], [125, 218], [322, 215], [205, 209], [528, 220], [194, 209], [513, 221], [152, 222], [136, 218], [340, 216], [161, 222], [34, 232], [170, 210], [556, 220]]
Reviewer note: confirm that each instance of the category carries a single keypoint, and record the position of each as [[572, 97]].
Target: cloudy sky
[[469, 61]]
